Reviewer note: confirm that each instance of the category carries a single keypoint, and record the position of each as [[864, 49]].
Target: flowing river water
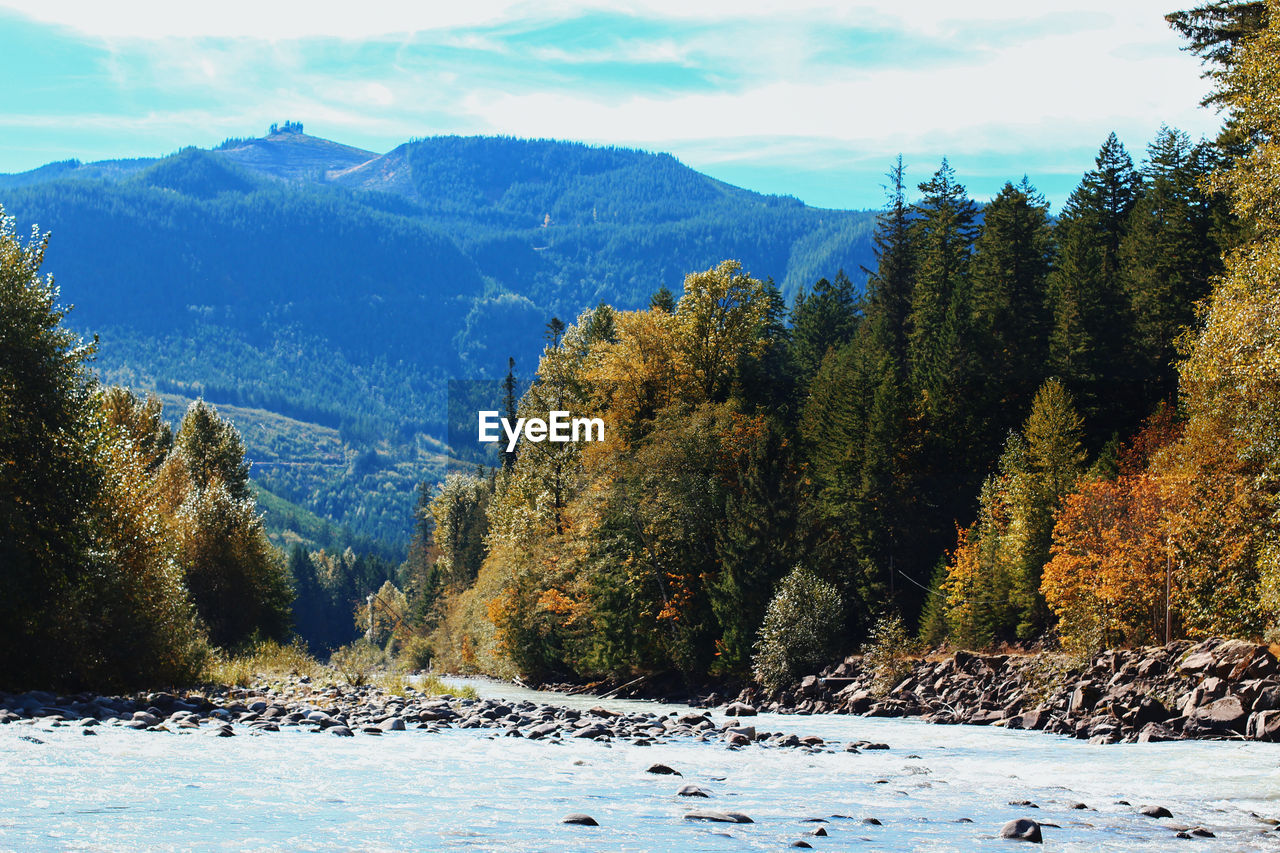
[[466, 789]]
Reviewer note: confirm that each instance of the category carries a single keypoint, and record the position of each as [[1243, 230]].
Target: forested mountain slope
[[294, 276]]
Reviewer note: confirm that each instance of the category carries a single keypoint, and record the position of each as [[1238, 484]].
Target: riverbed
[[935, 788]]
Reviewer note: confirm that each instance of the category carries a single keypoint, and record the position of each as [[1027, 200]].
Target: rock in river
[[1022, 829], [719, 817]]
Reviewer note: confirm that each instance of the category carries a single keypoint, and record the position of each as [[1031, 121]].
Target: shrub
[[266, 660], [358, 662], [433, 686], [799, 631], [888, 652], [417, 653]]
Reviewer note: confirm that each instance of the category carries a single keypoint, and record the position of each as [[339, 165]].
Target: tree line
[[1021, 431], [129, 551]]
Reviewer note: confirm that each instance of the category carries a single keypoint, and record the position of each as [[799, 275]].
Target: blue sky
[[811, 99]]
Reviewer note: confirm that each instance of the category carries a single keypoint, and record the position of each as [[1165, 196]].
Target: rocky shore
[[1215, 689], [348, 711]]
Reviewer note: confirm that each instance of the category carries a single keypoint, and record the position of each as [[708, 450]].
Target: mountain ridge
[[297, 275]]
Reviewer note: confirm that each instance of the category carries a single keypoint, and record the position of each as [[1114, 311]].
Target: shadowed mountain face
[[326, 287]]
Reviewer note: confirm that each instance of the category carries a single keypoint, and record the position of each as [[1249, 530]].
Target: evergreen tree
[[938, 325], [753, 546], [766, 376], [509, 410], [1214, 31], [1054, 460], [310, 602], [1169, 255], [663, 300], [889, 284], [1091, 318], [555, 329], [822, 320], [1010, 265]]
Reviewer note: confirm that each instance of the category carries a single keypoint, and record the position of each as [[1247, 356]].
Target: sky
[[809, 99]]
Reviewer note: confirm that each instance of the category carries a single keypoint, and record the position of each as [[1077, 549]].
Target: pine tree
[[889, 284], [1169, 255], [663, 300], [945, 229], [1010, 265], [822, 320], [1215, 29], [1091, 318], [509, 411], [1054, 461], [753, 546]]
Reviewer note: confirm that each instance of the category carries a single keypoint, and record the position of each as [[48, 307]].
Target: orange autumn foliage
[[1105, 581]]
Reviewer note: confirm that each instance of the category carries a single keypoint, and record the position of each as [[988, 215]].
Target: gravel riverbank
[[351, 711]]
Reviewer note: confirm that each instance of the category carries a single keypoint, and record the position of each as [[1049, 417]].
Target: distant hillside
[[295, 276]]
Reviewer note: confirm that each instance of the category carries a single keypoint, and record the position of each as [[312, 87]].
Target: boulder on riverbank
[[1214, 689]]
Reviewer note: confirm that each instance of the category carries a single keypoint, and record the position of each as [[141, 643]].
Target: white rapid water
[[467, 789]]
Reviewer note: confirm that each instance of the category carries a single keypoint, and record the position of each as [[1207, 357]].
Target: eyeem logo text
[[559, 427]]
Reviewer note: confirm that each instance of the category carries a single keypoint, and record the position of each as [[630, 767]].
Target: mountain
[[325, 290]]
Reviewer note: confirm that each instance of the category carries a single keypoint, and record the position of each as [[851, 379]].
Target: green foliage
[[1169, 254], [460, 515], [1215, 29], [417, 653], [1012, 258], [358, 662], [993, 583], [48, 439], [1092, 319], [888, 653], [311, 298], [799, 629], [938, 323], [263, 662], [753, 545], [329, 589], [237, 581], [822, 320], [122, 543]]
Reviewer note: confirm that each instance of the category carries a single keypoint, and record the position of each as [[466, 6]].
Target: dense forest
[[1050, 429], [304, 286], [1023, 430], [128, 550]]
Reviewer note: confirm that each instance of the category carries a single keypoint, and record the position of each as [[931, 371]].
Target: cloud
[[735, 84]]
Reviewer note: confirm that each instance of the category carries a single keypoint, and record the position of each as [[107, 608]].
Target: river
[[467, 789]]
